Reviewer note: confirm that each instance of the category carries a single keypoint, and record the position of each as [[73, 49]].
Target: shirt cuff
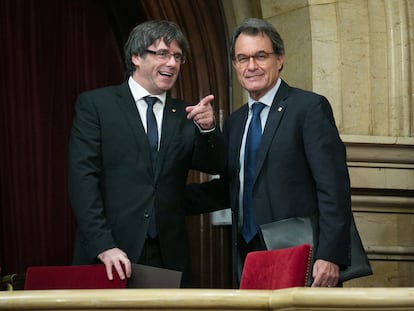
[[204, 131]]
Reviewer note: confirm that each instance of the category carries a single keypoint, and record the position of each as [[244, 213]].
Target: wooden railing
[[206, 299]]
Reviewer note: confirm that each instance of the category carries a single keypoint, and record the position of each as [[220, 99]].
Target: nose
[[252, 64]]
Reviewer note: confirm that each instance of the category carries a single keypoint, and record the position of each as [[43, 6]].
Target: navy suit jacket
[[113, 187]]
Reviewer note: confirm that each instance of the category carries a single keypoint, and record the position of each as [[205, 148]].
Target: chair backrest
[[70, 277], [277, 269]]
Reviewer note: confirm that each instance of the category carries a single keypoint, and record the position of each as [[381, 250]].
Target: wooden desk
[[354, 299]]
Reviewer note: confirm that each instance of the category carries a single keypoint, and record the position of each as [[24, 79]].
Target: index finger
[[206, 100]]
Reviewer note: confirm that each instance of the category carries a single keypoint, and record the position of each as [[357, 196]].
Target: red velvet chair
[[71, 277], [277, 269]]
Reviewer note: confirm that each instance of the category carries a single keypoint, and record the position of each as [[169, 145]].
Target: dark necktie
[[152, 129], [254, 136], [152, 134]]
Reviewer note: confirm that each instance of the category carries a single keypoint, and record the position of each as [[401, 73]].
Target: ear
[[280, 61], [136, 60], [233, 62]]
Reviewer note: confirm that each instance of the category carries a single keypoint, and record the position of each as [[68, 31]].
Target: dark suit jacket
[[301, 170], [112, 185]]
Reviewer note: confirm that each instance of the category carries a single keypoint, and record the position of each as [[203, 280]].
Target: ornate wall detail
[[382, 181], [359, 54]]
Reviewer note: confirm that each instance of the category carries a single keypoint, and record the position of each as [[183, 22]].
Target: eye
[[163, 53], [261, 56], [178, 57], [242, 58]]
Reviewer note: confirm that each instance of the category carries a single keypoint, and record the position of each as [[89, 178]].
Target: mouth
[[253, 77], [166, 74]]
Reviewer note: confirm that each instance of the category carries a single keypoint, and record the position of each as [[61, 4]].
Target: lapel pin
[[173, 110], [279, 109]]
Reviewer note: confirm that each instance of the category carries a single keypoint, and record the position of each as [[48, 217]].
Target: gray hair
[[147, 33], [254, 27]]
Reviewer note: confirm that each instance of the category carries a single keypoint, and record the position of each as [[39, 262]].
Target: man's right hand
[[118, 259]]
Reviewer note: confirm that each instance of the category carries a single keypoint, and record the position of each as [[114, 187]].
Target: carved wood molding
[[380, 150], [383, 204], [381, 166], [390, 252]]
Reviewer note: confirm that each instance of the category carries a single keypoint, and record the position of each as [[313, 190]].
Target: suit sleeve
[[326, 155], [206, 197], [209, 152], [85, 173], [209, 157]]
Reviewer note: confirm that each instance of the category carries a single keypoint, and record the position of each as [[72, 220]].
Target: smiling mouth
[[166, 73], [254, 77]]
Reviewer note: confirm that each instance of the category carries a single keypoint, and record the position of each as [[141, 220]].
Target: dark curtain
[[50, 52]]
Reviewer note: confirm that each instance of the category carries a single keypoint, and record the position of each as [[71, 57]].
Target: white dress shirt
[[138, 92]]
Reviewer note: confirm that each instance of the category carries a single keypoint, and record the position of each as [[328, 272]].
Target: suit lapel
[[171, 120], [128, 106], [272, 124]]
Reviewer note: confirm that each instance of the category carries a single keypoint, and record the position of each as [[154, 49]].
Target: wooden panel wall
[[382, 180]]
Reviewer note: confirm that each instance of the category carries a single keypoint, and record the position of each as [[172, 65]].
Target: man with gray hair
[[291, 161]]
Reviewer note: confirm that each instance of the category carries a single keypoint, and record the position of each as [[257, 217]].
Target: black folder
[[152, 277]]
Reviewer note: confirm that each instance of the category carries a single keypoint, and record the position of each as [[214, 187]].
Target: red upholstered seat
[[276, 269], [71, 277]]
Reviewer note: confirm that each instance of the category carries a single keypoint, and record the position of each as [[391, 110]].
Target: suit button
[[146, 215]]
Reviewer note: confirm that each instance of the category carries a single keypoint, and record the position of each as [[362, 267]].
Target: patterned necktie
[[254, 136], [152, 128], [152, 134]]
